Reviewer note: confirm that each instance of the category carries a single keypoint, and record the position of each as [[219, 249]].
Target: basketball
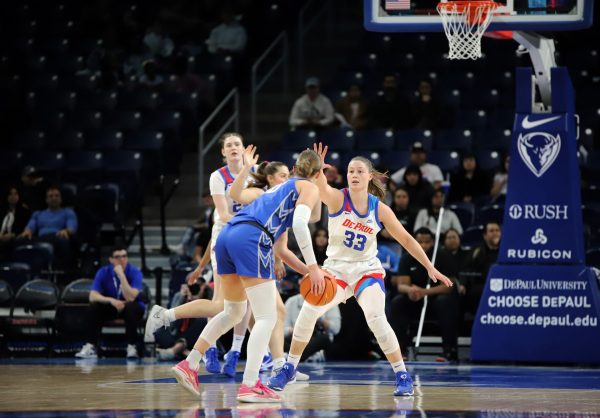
[[325, 297]]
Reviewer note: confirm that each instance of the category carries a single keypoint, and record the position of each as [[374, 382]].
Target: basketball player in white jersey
[[356, 215], [232, 148]]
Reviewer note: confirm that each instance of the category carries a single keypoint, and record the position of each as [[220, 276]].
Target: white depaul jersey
[[220, 182], [353, 236]]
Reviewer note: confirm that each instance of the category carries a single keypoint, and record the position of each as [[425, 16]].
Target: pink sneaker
[[258, 393], [186, 377]]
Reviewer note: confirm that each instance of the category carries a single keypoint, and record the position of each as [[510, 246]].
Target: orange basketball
[[325, 297]]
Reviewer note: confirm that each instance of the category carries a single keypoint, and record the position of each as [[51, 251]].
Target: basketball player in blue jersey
[[221, 180], [356, 215], [245, 250]]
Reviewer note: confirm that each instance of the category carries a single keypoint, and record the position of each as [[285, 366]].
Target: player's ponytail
[[308, 164], [264, 170], [376, 188]]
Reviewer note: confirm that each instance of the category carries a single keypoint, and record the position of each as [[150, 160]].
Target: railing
[[256, 84], [305, 24], [234, 118]]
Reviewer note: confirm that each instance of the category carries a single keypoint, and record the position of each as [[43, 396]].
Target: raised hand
[[435, 275], [250, 159], [322, 151]]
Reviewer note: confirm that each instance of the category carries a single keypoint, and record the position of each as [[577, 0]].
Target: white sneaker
[[87, 351], [132, 351], [302, 377], [156, 319], [165, 354]]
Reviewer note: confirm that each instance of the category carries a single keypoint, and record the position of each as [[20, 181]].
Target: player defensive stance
[[356, 215]]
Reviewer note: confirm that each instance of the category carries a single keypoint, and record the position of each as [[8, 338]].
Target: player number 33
[[355, 241]]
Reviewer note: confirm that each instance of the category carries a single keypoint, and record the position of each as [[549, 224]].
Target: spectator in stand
[[478, 265], [391, 111], [405, 214], [334, 178], [176, 341], [470, 184], [411, 283], [353, 109], [428, 217], [186, 81], [229, 37], [327, 327], [500, 184], [158, 42], [116, 293], [150, 79], [312, 110], [419, 190], [55, 225], [33, 189], [452, 245], [425, 110], [14, 218], [431, 172], [320, 238]]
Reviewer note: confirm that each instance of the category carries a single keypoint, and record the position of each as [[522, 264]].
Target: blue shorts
[[245, 250]]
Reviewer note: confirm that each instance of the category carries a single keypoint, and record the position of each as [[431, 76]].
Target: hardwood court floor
[[110, 388]]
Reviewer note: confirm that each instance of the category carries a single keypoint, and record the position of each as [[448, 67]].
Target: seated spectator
[[186, 81], [411, 283], [312, 110], [196, 237], [390, 111], [452, 245], [405, 214], [327, 327], [150, 79], [55, 225], [470, 183], [320, 238], [477, 267], [14, 217], [116, 293], [333, 176], [176, 341], [418, 157], [353, 108], [500, 184], [425, 111], [229, 37], [158, 42], [419, 190], [33, 189], [428, 217]]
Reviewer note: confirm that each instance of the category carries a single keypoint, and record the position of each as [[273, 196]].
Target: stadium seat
[[48, 163], [68, 192], [458, 139], [472, 119], [404, 139], [102, 101], [491, 213], [592, 258], [168, 121], [488, 160], [299, 139], [49, 120], [29, 140], [104, 139], [395, 160], [71, 313], [592, 167], [448, 161], [34, 296], [464, 211], [15, 274], [39, 100], [101, 201], [340, 140], [83, 166], [374, 140], [6, 294], [374, 156], [473, 236], [78, 291], [138, 100], [151, 145], [85, 119], [286, 157], [494, 139], [38, 255], [123, 120]]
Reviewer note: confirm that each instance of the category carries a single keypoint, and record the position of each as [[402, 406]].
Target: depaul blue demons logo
[[538, 150]]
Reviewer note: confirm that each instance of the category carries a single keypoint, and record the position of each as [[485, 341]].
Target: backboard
[[522, 15]]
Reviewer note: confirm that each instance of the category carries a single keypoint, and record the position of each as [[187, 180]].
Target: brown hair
[[265, 169], [307, 164], [375, 187], [227, 135]]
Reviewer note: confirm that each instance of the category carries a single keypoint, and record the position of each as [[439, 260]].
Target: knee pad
[[235, 310], [224, 321], [384, 333], [262, 302], [305, 323]]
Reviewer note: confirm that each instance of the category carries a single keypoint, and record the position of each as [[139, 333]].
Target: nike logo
[[526, 124]]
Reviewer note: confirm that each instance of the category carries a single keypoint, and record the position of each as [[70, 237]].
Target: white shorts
[[217, 227], [351, 272]]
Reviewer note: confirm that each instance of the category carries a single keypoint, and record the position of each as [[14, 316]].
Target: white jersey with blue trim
[[353, 236], [220, 183]]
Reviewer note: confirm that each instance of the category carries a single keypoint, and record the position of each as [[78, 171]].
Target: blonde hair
[[307, 164], [375, 187], [265, 169]]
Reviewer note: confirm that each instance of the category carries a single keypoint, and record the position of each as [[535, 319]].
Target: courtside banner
[[542, 213], [538, 314]]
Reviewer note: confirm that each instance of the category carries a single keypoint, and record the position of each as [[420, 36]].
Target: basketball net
[[465, 22]]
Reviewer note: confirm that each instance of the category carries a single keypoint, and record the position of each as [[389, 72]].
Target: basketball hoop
[[465, 22]]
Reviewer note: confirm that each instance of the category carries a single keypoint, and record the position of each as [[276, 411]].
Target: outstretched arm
[[333, 198], [238, 190], [400, 234]]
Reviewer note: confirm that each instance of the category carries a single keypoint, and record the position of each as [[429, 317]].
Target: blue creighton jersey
[[274, 210]]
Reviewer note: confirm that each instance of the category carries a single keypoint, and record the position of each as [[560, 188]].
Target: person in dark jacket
[[14, 219]]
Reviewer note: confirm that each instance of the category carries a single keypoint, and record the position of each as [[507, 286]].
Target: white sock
[[193, 359], [278, 363], [294, 359], [170, 314], [399, 366], [238, 340], [262, 302], [213, 346]]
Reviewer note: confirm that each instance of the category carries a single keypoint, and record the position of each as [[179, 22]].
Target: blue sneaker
[[211, 359], [287, 374], [404, 384], [231, 361], [267, 363]]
